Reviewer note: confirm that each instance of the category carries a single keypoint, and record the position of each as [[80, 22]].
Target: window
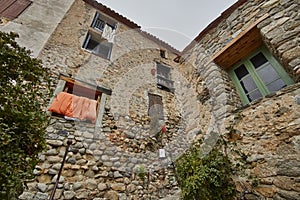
[[100, 22], [11, 9], [100, 37], [97, 45], [258, 75], [155, 106], [254, 71], [164, 77], [76, 100], [163, 53]]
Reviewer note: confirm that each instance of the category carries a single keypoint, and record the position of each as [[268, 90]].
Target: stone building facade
[[122, 154], [264, 130], [153, 101]]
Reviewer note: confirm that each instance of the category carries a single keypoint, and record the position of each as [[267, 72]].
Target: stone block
[[69, 194], [40, 196], [42, 187], [102, 186], [118, 186], [266, 191], [82, 194], [289, 195], [26, 196], [91, 184], [111, 195]]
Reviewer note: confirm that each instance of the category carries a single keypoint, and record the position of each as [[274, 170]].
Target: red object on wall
[[163, 129], [153, 72]]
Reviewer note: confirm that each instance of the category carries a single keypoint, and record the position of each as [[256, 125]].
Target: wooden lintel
[[250, 36], [84, 84]]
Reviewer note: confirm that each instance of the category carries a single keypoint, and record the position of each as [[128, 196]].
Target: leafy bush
[[142, 172], [206, 178], [23, 90]]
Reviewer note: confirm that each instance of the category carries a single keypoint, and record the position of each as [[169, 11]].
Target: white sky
[[176, 22]]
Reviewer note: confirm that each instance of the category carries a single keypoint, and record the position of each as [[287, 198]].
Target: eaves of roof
[[212, 25], [106, 10]]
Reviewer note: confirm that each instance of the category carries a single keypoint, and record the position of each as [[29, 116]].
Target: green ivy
[[205, 178], [23, 90]]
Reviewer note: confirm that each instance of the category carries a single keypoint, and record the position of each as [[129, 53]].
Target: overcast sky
[[176, 22]]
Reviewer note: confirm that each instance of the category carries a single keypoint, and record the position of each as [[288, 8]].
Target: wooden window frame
[[100, 95], [256, 78], [82, 90]]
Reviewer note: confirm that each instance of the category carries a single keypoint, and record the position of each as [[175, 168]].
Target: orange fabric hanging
[[74, 106], [77, 106], [91, 112], [61, 104], [84, 107], [66, 105]]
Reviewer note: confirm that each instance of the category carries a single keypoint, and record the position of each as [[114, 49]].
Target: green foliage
[[23, 90], [141, 172], [206, 178]]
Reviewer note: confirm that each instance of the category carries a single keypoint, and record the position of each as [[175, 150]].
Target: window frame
[[255, 76], [105, 20], [96, 34], [101, 42], [167, 78], [100, 96], [69, 88]]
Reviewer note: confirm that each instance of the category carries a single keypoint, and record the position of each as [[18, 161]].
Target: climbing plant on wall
[[23, 89], [205, 177]]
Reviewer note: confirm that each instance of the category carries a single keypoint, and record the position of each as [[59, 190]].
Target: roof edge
[[112, 13], [160, 42], [106, 10], [213, 24]]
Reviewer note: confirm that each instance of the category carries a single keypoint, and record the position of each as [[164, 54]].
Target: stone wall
[[266, 137], [119, 159], [283, 17], [94, 168], [265, 132], [36, 24]]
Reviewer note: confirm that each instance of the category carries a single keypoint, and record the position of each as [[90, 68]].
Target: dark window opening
[[155, 110], [98, 46], [164, 78], [258, 60], [163, 53]]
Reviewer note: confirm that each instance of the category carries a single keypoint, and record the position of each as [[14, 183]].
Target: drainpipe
[[69, 142]]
